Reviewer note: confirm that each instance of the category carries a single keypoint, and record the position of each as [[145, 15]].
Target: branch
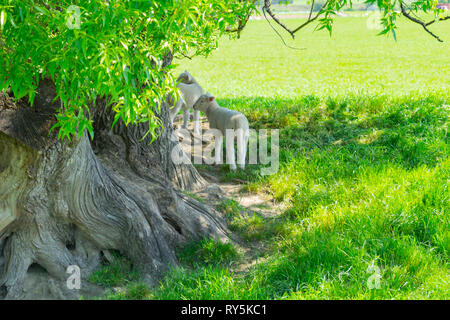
[[266, 7], [440, 19], [275, 30], [310, 12], [45, 5], [420, 22], [309, 19], [185, 55], [241, 25], [3, 45]]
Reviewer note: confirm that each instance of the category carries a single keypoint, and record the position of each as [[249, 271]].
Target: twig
[[440, 19], [267, 8], [418, 21], [310, 12], [186, 56], [281, 37], [242, 22], [309, 19], [45, 5], [241, 25]]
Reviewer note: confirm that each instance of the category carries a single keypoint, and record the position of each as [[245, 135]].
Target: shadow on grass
[[366, 180], [362, 131]]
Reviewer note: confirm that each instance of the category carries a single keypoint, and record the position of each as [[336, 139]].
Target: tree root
[[62, 204]]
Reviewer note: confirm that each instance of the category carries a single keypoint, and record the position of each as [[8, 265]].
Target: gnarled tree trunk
[[63, 203]]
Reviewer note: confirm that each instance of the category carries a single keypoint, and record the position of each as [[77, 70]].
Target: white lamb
[[230, 123], [191, 91]]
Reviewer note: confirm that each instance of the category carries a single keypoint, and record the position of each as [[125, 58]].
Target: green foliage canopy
[[113, 49]]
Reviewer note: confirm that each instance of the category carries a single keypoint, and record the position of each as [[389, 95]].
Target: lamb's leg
[[218, 151], [186, 116], [230, 151], [197, 122]]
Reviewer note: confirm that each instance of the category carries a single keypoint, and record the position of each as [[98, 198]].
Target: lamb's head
[[186, 77], [204, 102]]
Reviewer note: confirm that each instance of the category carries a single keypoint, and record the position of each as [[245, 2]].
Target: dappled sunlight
[[341, 185], [364, 169], [364, 182], [378, 195]]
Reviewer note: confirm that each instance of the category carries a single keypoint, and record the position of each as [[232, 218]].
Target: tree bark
[[64, 203]]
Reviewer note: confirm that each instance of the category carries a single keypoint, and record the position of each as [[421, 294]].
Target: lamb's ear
[[211, 99]]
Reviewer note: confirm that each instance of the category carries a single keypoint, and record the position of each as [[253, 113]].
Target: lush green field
[[354, 61], [364, 168]]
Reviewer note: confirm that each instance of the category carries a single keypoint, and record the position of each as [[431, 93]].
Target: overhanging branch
[[311, 18], [267, 8], [420, 22]]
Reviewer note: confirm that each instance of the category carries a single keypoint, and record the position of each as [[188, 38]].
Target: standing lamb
[[229, 123], [191, 91]]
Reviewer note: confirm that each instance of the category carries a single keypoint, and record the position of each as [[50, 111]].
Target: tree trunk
[[64, 203]]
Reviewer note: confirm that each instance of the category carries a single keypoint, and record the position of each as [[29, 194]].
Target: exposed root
[[64, 204]]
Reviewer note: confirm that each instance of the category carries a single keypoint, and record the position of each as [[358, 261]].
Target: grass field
[[364, 168], [354, 61]]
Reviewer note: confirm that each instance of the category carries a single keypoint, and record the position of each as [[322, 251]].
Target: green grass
[[353, 62], [208, 252], [366, 183], [250, 226], [364, 167], [117, 273]]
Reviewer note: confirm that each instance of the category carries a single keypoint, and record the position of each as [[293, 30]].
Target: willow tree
[[85, 141]]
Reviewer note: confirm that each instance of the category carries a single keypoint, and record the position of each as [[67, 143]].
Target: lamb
[[226, 121], [191, 91]]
